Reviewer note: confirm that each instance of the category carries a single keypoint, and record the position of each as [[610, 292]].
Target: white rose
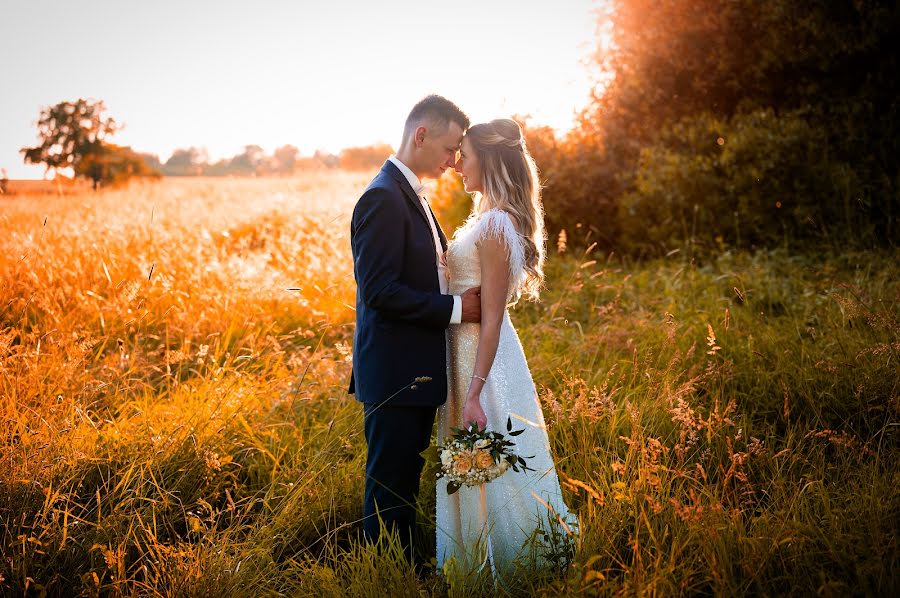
[[482, 443]]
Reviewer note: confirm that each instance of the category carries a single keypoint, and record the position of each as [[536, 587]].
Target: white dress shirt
[[416, 184]]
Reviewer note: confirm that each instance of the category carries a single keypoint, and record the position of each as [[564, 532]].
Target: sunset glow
[[222, 75]]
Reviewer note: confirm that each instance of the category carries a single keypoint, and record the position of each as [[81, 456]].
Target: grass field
[[41, 187], [173, 416]]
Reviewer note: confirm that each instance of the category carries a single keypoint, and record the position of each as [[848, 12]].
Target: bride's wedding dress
[[506, 519]]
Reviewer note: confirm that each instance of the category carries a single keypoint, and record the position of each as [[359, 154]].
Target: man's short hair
[[437, 111]]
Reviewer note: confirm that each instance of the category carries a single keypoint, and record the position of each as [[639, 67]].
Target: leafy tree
[[320, 159], [218, 168], [326, 159], [578, 184], [152, 161], [284, 160], [114, 164], [68, 131], [249, 161], [364, 158], [185, 162]]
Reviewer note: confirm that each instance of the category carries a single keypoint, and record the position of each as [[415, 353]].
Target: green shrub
[[758, 179], [581, 185]]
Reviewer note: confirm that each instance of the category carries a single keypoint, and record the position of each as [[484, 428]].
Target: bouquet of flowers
[[472, 456]]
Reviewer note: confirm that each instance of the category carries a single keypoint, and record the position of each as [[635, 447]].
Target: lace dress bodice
[[463, 260]]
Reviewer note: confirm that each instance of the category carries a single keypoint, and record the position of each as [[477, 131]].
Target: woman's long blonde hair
[[511, 184]]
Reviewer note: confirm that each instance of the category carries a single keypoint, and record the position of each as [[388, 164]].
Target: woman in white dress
[[501, 524]]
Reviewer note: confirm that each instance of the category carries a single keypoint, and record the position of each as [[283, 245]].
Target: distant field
[[174, 418], [38, 187]]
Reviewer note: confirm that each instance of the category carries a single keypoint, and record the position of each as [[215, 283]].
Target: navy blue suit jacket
[[401, 315]]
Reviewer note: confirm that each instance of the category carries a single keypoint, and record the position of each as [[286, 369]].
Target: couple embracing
[[434, 338]]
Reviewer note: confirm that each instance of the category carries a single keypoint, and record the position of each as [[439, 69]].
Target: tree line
[[76, 135], [253, 161]]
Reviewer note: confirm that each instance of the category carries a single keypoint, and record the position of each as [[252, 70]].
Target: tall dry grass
[[173, 365]]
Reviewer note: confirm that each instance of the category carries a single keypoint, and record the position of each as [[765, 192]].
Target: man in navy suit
[[402, 313]]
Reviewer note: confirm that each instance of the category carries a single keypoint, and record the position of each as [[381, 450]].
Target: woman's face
[[469, 168]]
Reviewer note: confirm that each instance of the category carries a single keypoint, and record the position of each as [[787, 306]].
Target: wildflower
[[654, 504], [711, 340], [212, 460], [177, 356], [671, 327], [344, 351]]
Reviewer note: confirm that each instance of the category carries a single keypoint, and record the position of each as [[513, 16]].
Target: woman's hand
[[473, 413]]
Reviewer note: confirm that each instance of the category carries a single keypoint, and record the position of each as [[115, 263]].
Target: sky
[[328, 74]]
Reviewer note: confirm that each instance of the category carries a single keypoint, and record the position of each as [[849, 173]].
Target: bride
[[501, 248]]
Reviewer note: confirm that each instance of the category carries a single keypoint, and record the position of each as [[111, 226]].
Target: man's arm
[[377, 243]]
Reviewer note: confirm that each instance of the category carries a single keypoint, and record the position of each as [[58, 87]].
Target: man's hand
[[471, 305]]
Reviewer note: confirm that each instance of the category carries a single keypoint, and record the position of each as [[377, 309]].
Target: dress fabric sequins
[[491, 525]]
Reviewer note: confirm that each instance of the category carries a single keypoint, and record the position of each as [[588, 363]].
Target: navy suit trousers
[[395, 437]]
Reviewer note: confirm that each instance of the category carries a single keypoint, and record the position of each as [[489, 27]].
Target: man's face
[[438, 149]]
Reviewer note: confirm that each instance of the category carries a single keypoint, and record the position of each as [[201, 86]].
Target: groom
[[402, 313]]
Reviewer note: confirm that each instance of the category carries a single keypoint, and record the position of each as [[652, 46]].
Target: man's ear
[[420, 136]]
